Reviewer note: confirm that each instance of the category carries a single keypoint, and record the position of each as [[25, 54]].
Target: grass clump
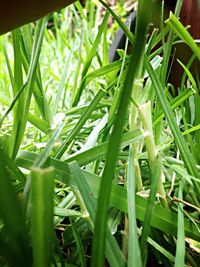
[[99, 162]]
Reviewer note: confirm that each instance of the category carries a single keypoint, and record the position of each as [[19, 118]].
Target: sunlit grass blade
[[48, 148], [93, 50], [61, 85], [90, 155], [90, 56], [8, 63], [176, 26], [145, 114], [107, 177], [155, 174], [39, 123], [42, 158], [189, 74], [38, 92], [134, 254], [99, 151], [19, 126], [42, 235], [63, 212], [37, 43], [85, 116], [15, 138]]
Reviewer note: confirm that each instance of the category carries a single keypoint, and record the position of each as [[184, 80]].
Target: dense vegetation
[[97, 159]]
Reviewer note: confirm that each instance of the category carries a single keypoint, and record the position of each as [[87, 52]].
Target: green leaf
[[180, 248], [134, 254], [162, 218], [42, 235], [113, 252], [176, 26], [109, 169], [13, 217], [178, 137]]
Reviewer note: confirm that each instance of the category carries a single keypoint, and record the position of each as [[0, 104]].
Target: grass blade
[[90, 56], [105, 189], [162, 218], [179, 139], [42, 189], [79, 244], [180, 249], [13, 218], [113, 252], [134, 254], [176, 26]]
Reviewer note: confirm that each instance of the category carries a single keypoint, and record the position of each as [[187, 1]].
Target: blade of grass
[[42, 235], [162, 219], [125, 29], [134, 253], [61, 150], [156, 172], [4, 44], [167, 48], [178, 137], [15, 139], [39, 123], [90, 56], [39, 94], [63, 212], [99, 151], [12, 215], [176, 26], [113, 252], [79, 244], [29, 84], [176, 102], [41, 159], [92, 154], [145, 115], [107, 177], [62, 84]]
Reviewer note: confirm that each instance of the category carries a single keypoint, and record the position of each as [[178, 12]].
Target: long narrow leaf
[[134, 254], [113, 252], [107, 177], [180, 249], [13, 218], [162, 219], [42, 185], [179, 139]]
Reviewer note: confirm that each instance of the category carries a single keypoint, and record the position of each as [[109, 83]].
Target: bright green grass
[[108, 160]]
